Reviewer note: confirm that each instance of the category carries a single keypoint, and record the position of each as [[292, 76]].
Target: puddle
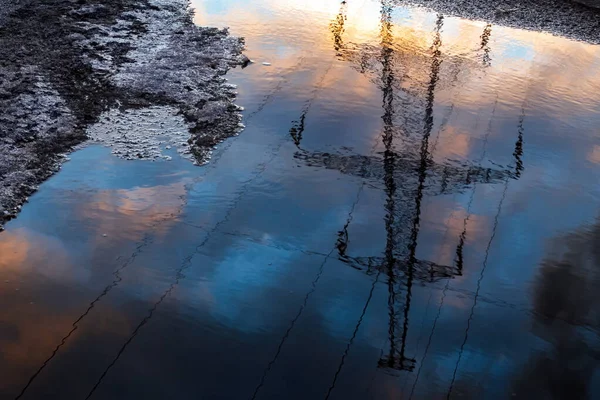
[[411, 212]]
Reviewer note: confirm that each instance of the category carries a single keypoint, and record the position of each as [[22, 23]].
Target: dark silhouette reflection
[[297, 129], [518, 154], [406, 172], [566, 300], [411, 64], [443, 178], [485, 45], [337, 28], [389, 157], [396, 358], [397, 220]]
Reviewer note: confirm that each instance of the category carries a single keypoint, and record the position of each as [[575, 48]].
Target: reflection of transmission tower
[[407, 176], [396, 358]]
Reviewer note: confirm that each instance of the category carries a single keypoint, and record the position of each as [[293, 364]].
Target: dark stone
[[589, 3]]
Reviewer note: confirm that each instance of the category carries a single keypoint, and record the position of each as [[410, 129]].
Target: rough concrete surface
[[69, 66], [560, 17]]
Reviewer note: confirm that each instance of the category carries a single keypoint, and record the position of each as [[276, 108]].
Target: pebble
[[266, 64], [104, 235]]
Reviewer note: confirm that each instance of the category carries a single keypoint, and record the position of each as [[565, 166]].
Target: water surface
[[412, 212]]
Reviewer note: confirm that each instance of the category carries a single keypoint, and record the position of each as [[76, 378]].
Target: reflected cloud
[[418, 62], [455, 144], [594, 155], [23, 251], [33, 320], [453, 227], [14, 248], [124, 216], [127, 214], [30, 332]]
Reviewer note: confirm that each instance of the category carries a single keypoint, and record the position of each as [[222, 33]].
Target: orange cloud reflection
[[128, 214], [594, 155]]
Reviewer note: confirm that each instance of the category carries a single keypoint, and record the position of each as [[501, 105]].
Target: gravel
[[559, 17]]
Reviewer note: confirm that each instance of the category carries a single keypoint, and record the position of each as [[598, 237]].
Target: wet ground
[[411, 212]]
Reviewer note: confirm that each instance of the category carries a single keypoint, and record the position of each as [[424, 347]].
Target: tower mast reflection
[[406, 171]]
